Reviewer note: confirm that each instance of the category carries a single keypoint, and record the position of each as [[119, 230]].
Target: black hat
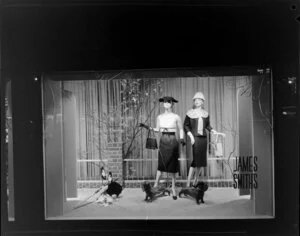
[[167, 99]]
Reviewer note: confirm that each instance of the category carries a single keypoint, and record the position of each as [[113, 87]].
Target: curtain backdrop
[[107, 104], [96, 101]]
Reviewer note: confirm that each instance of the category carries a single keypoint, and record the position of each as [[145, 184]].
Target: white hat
[[199, 95]]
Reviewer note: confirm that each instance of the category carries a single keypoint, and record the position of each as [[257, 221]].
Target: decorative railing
[[218, 172]]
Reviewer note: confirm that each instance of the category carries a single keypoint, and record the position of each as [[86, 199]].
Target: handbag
[[219, 150], [218, 147], [151, 142]]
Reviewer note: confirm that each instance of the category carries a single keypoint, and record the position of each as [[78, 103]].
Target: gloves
[[142, 125], [182, 141], [191, 137]]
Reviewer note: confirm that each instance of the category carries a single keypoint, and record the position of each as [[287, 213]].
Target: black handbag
[[151, 142]]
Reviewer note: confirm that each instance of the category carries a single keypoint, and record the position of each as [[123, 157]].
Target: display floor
[[220, 203]]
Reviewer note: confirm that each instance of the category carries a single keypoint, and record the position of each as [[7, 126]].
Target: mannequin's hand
[[182, 141], [192, 139], [144, 126]]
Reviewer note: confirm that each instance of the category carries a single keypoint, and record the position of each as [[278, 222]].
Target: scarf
[[198, 113]]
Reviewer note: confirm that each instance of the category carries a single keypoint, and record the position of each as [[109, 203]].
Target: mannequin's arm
[[187, 128], [157, 125], [179, 125], [181, 132], [151, 128]]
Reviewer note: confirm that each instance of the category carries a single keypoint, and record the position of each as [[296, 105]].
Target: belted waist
[[169, 133], [201, 135]]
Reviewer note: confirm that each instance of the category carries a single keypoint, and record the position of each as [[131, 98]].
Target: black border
[[100, 35]]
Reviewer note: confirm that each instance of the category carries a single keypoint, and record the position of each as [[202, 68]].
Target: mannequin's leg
[[173, 175], [190, 175], [158, 174], [196, 175], [202, 178]]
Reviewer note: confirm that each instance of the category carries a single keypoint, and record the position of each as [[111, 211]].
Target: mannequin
[[195, 125], [167, 124]]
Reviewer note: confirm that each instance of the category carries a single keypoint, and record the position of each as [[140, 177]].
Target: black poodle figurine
[[114, 188], [153, 193], [196, 191]]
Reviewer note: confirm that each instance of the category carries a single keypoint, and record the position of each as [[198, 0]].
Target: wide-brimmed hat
[[167, 99], [199, 95]]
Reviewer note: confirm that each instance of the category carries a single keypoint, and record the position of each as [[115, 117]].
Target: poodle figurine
[[196, 192], [153, 193]]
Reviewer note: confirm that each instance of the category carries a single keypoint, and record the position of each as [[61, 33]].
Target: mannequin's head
[[168, 104], [198, 100]]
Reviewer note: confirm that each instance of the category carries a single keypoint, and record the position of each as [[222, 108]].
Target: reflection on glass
[[93, 138], [9, 151]]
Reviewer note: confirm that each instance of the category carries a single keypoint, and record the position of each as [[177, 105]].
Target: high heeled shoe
[[174, 196]]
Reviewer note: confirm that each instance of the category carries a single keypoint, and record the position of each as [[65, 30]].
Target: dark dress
[[168, 153], [200, 145]]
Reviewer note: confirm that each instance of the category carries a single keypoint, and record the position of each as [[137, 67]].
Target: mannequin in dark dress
[[168, 123], [196, 125]]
